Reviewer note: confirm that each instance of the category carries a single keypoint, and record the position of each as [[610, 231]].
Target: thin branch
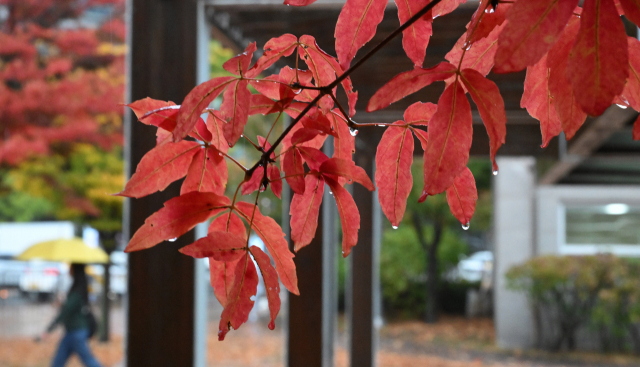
[[352, 124], [384, 42], [327, 89]]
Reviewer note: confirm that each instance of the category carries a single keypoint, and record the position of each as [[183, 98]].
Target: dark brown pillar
[[311, 322], [362, 306], [162, 65]]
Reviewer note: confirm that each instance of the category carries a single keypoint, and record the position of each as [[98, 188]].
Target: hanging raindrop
[[353, 132], [465, 226], [394, 227], [495, 172], [172, 239], [624, 107]]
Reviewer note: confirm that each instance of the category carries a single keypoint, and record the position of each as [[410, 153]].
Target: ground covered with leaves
[[454, 342]]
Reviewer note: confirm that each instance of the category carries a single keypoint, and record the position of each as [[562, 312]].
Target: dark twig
[[264, 160]]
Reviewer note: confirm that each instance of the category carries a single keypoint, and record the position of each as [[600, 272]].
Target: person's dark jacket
[[71, 315]]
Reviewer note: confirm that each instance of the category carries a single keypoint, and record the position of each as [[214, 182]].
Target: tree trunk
[[431, 253]]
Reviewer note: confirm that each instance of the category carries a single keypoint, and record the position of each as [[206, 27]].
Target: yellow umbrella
[[69, 250]]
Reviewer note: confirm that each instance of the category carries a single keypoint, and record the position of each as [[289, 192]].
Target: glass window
[[608, 224]]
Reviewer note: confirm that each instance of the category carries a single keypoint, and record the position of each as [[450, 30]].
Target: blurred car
[[474, 267], [11, 272], [43, 279]]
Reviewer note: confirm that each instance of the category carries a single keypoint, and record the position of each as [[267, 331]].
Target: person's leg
[[63, 352], [79, 342]]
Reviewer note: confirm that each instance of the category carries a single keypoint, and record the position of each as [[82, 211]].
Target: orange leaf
[[485, 20], [415, 38], [393, 171], [407, 83], [446, 6], [271, 284], [159, 167], [239, 303], [570, 115], [207, 172], [235, 109], [632, 88], [304, 211], [214, 125], [238, 65], [462, 196], [356, 26], [229, 222], [487, 98], [274, 49], [344, 144], [349, 215], [222, 275], [631, 10], [293, 168], [195, 102], [275, 181], [538, 102], [450, 135], [599, 61], [273, 237], [178, 216], [532, 28], [347, 169], [419, 114], [478, 56], [219, 245]]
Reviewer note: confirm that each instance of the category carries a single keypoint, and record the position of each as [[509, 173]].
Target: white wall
[[550, 214], [514, 205]]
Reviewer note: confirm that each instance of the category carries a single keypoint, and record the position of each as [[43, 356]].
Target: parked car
[[10, 273], [473, 268], [42, 279]]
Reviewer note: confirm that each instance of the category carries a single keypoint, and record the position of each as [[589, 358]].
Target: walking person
[[76, 317]]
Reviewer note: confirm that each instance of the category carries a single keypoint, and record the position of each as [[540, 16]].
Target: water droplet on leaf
[[394, 227], [353, 132], [465, 226], [622, 106], [172, 239], [495, 172]]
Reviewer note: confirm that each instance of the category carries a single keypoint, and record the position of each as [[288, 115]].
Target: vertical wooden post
[[162, 65], [311, 322], [363, 300]]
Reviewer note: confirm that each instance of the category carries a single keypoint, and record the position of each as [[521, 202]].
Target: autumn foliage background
[[579, 62], [60, 112]]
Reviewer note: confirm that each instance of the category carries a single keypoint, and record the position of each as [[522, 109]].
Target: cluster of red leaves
[[578, 63], [56, 86]]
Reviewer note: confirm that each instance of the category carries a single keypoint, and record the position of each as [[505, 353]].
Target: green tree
[[430, 240]]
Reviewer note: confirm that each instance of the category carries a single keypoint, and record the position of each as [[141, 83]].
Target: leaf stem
[[258, 147], [234, 161], [272, 126]]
